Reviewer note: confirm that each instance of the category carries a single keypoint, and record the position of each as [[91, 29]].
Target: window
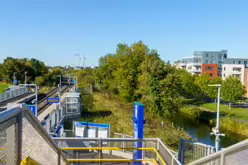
[[211, 75], [234, 62], [209, 68], [224, 68], [237, 69], [206, 55], [246, 64], [225, 56], [239, 62], [206, 61], [224, 75]]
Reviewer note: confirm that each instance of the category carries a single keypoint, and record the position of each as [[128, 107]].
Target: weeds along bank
[[228, 124], [108, 108]]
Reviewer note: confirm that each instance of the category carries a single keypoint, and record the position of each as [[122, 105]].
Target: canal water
[[200, 131]]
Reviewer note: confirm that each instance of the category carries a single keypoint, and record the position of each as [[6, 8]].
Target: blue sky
[[54, 30]]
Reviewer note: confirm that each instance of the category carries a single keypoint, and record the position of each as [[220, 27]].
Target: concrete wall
[[227, 70]]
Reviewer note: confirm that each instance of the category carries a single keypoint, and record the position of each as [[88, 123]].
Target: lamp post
[[216, 130], [14, 78], [25, 78], [60, 92]]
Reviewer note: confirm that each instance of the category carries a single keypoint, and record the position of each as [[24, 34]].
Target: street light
[[26, 77], [60, 92], [216, 131], [14, 77]]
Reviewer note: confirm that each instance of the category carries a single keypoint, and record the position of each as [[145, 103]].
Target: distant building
[[234, 70], [236, 67], [78, 68], [211, 69], [194, 63]]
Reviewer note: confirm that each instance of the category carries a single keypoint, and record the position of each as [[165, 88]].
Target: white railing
[[13, 93], [233, 155]]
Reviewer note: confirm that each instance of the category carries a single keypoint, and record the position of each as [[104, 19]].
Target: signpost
[[15, 82], [53, 100], [138, 120], [33, 109]]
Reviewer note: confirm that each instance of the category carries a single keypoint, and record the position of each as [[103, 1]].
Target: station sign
[[33, 109], [15, 82], [52, 100], [138, 120]]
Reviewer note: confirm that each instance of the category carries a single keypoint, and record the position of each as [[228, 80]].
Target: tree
[[232, 90], [212, 92]]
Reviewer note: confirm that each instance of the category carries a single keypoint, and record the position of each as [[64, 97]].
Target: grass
[[3, 87], [44, 89], [110, 109], [239, 113]]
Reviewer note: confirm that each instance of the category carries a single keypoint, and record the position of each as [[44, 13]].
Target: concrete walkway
[[19, 100]]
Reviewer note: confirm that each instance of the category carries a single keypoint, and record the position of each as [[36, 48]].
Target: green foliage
[[137, 73], [19, 66], [108, 108], [3, 87], [39, 81], [232, 89]]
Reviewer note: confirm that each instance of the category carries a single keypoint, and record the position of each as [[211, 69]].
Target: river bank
[[109, 108], [235, 131]]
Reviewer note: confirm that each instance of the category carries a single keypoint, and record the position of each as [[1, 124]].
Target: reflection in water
[[201, 131]]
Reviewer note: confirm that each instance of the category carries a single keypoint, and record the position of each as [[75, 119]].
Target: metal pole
[[36, 97], [25, 77], [217, 139], [60, 95], [218, 110]]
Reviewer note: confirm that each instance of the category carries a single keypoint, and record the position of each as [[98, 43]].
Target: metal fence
[[233, 155], [190, 151], [21, 135], [115, 150], [13, 93]]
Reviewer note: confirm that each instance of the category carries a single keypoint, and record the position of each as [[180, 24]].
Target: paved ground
[[16, 101]]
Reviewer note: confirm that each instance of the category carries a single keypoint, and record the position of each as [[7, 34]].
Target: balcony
[[195, 70]]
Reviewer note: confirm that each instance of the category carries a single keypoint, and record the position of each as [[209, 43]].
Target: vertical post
[[59, 156], [60, 95], [76, 83], [217, 139], [138, 120], [26, 77], [100, 151], [36, 97], [19, 138], [157, 149], [218, 110]]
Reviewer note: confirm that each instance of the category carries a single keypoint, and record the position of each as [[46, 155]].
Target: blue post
[[138, 120]]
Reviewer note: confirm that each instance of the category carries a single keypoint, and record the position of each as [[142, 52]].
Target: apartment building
[[236, 67], [211, 69], [235, 70], [194, 63]]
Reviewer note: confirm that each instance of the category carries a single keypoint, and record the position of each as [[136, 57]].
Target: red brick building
[[212, 69]]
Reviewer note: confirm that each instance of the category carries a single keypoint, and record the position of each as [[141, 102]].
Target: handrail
[[173, 156], [103, 139], [221, 153], [21, 109], [112, 148], [8, 114]]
